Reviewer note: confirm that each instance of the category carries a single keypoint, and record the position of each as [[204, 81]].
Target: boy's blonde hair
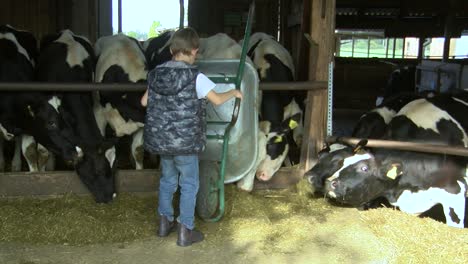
[[184, 41]]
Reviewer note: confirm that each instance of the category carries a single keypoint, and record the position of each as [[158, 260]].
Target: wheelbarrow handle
[[240, 70], [235, 113]]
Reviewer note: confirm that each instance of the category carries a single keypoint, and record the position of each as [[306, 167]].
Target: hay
[[76, 220], [271, 222], [418, 240]]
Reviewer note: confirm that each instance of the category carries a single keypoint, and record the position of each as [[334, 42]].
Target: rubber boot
[[186, 237], [165, 226]]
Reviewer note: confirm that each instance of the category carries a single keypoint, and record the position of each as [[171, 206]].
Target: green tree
[[153, 32], [132, 34]]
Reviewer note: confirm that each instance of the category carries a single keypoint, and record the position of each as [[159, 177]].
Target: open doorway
[[143, 19]]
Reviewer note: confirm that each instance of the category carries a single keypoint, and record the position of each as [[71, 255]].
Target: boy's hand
[[237, 93]]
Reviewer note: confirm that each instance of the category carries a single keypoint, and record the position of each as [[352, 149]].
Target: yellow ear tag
[[278, 139], [292, 124], [393, 172]]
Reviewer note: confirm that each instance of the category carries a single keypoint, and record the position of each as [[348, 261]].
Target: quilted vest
[[175, 122]]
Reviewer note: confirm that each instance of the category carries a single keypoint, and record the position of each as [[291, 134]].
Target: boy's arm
[[220, 98], [144, 99]]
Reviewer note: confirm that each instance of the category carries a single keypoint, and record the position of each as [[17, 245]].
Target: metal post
[[181, 14], [447, 30], [119, 8], [421, 48], [368, 46], [330, 100], [386, 49], [403, 49]]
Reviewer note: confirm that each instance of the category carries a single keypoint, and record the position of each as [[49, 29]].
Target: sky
[[138, 15]]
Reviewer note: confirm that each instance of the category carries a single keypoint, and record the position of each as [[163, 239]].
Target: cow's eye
[[52, 124], [364, 168]]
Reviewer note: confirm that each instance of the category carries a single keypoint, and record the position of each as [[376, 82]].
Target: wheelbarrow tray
[[242, 146]]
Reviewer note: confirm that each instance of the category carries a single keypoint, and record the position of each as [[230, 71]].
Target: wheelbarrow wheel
[[208, 193]]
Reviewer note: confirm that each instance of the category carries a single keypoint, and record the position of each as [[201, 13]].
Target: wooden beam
[[285, 177], [321, 54], [55, 183]]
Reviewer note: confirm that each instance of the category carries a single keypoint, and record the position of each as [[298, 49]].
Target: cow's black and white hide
[[18, 53], [374, 123], [401, 80], [157, 49], [274, 64], [219, 46], [34, 116], [272, 150], [66, 57], [121, 60], [414, 182]]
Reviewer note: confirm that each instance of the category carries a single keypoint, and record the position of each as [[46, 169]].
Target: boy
[[175, 129]]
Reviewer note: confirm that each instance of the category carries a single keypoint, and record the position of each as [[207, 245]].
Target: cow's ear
[[394, 170], [360, 145]]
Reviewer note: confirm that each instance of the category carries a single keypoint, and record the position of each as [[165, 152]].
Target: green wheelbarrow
[[232, 129]]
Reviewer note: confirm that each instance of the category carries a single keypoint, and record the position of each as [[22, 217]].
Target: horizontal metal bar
[[293, 86], [223, 79], [403, 145], [72, 87], [137, 87]]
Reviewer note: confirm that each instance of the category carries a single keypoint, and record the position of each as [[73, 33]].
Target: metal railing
[[402, 145], [136, 87]]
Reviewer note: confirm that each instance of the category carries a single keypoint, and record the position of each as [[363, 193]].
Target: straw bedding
[[279, 222]]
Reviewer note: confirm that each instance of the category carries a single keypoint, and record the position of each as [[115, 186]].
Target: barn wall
[[47, 16], [209, 17], [358, 82], [39, 17]]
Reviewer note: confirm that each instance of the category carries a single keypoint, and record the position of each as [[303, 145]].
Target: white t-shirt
[[203, 85]]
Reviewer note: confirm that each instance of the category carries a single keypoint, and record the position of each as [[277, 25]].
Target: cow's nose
[[333, 184], [262, 176]]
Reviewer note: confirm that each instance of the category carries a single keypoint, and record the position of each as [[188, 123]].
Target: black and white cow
[[412, 181], [18, 53], [66, 57], [157, 49], [33, 115], [272, 150], [402, 80], [219, 46], [121, 60], [372, 125], [274, 64]]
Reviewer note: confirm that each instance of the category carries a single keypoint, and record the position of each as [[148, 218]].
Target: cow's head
[[360, 179], [157, 49], [96, 170], [49, 124], [330, 160], [276, 147]]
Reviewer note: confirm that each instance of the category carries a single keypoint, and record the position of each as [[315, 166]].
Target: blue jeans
[[183, 171]]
